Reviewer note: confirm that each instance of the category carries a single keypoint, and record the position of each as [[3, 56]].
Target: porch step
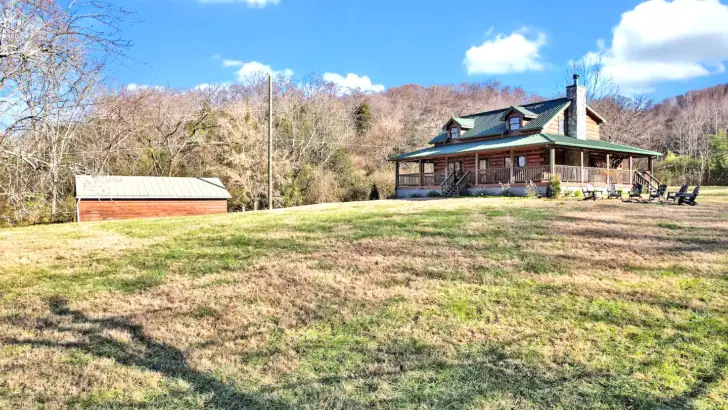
[[451, 191]]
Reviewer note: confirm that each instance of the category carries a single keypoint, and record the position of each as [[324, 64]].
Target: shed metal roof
[[135, 187]]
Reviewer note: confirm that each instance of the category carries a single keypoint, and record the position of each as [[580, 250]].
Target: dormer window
[[514, 123], [454, 132]]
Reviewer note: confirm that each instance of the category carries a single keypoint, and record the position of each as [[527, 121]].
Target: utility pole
[[270, 142]]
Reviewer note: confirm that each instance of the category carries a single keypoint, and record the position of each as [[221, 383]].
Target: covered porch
[[575, 166]]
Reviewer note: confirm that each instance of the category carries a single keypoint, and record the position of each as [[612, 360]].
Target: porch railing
[[526, 174], [428, 178], [494, 175], [538, 173], [409, 179], [620, 176], [569, 173]]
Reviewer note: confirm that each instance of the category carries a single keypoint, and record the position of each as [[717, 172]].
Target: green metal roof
[[491, 123], [466, 147], [465, 123], [440, 138], [521, 141], [526, 113], [563, 140], [551, 111]]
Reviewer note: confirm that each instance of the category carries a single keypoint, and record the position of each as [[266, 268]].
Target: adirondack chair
[[659, 193], [672, 196], [612, 192], [689, 198], [636, 191], [589, 192]]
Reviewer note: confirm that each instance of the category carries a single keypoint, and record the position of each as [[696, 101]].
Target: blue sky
[[660, 47]]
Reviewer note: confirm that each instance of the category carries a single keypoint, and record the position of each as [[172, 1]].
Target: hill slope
[[449, 303]]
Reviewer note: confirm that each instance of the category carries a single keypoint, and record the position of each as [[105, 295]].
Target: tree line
[[59, 118]]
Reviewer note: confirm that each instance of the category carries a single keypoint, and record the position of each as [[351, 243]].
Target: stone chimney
[[576, 113]]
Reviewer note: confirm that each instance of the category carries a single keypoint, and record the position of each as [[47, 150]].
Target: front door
[[457, 168]]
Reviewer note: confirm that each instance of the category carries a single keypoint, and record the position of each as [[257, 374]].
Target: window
[[483, 164], [508, 162], [562, 127], [515, 123], [456, 167], [521, 160], [454, 132]]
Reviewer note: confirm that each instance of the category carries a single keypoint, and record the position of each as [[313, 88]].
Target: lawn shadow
[[143, 352]]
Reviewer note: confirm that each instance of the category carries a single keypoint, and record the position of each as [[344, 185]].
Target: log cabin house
[[101, 198], [522, 144]]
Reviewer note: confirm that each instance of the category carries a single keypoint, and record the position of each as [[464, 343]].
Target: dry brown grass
[[488, 303]]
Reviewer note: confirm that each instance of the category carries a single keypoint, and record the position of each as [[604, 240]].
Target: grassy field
[[459, 303]]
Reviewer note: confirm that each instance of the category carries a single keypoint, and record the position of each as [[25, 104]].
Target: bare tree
[[50, 60], [599, 85]]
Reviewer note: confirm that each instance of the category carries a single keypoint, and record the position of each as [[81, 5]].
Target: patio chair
[[672, 196], [636, 191], [612, 192], [589, 192], [689, 198], [659, 193]]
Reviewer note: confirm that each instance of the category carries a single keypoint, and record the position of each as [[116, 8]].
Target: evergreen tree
[[363, 118]]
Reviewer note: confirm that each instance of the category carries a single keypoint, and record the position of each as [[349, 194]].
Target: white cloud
[[232, 63], [252, 68], [353, 82], [503, 54], [140, 87], [249, 3], [661, 41]]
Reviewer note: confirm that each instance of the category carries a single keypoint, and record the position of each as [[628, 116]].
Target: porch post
[[477, 169], [511, 180], [422, 172], [609, 165], [552, 161], [581, 165], [447, 168], [396, 177], [651, 165], [631, 177]]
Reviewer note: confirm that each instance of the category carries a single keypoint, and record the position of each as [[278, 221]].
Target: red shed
[[127, 197]]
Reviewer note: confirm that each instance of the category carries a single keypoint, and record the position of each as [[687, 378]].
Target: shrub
[[466, 192], [531, 190], [434, 194], [505, 189], [415, 196], [577, 193], [374, 193], [553, 189]]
